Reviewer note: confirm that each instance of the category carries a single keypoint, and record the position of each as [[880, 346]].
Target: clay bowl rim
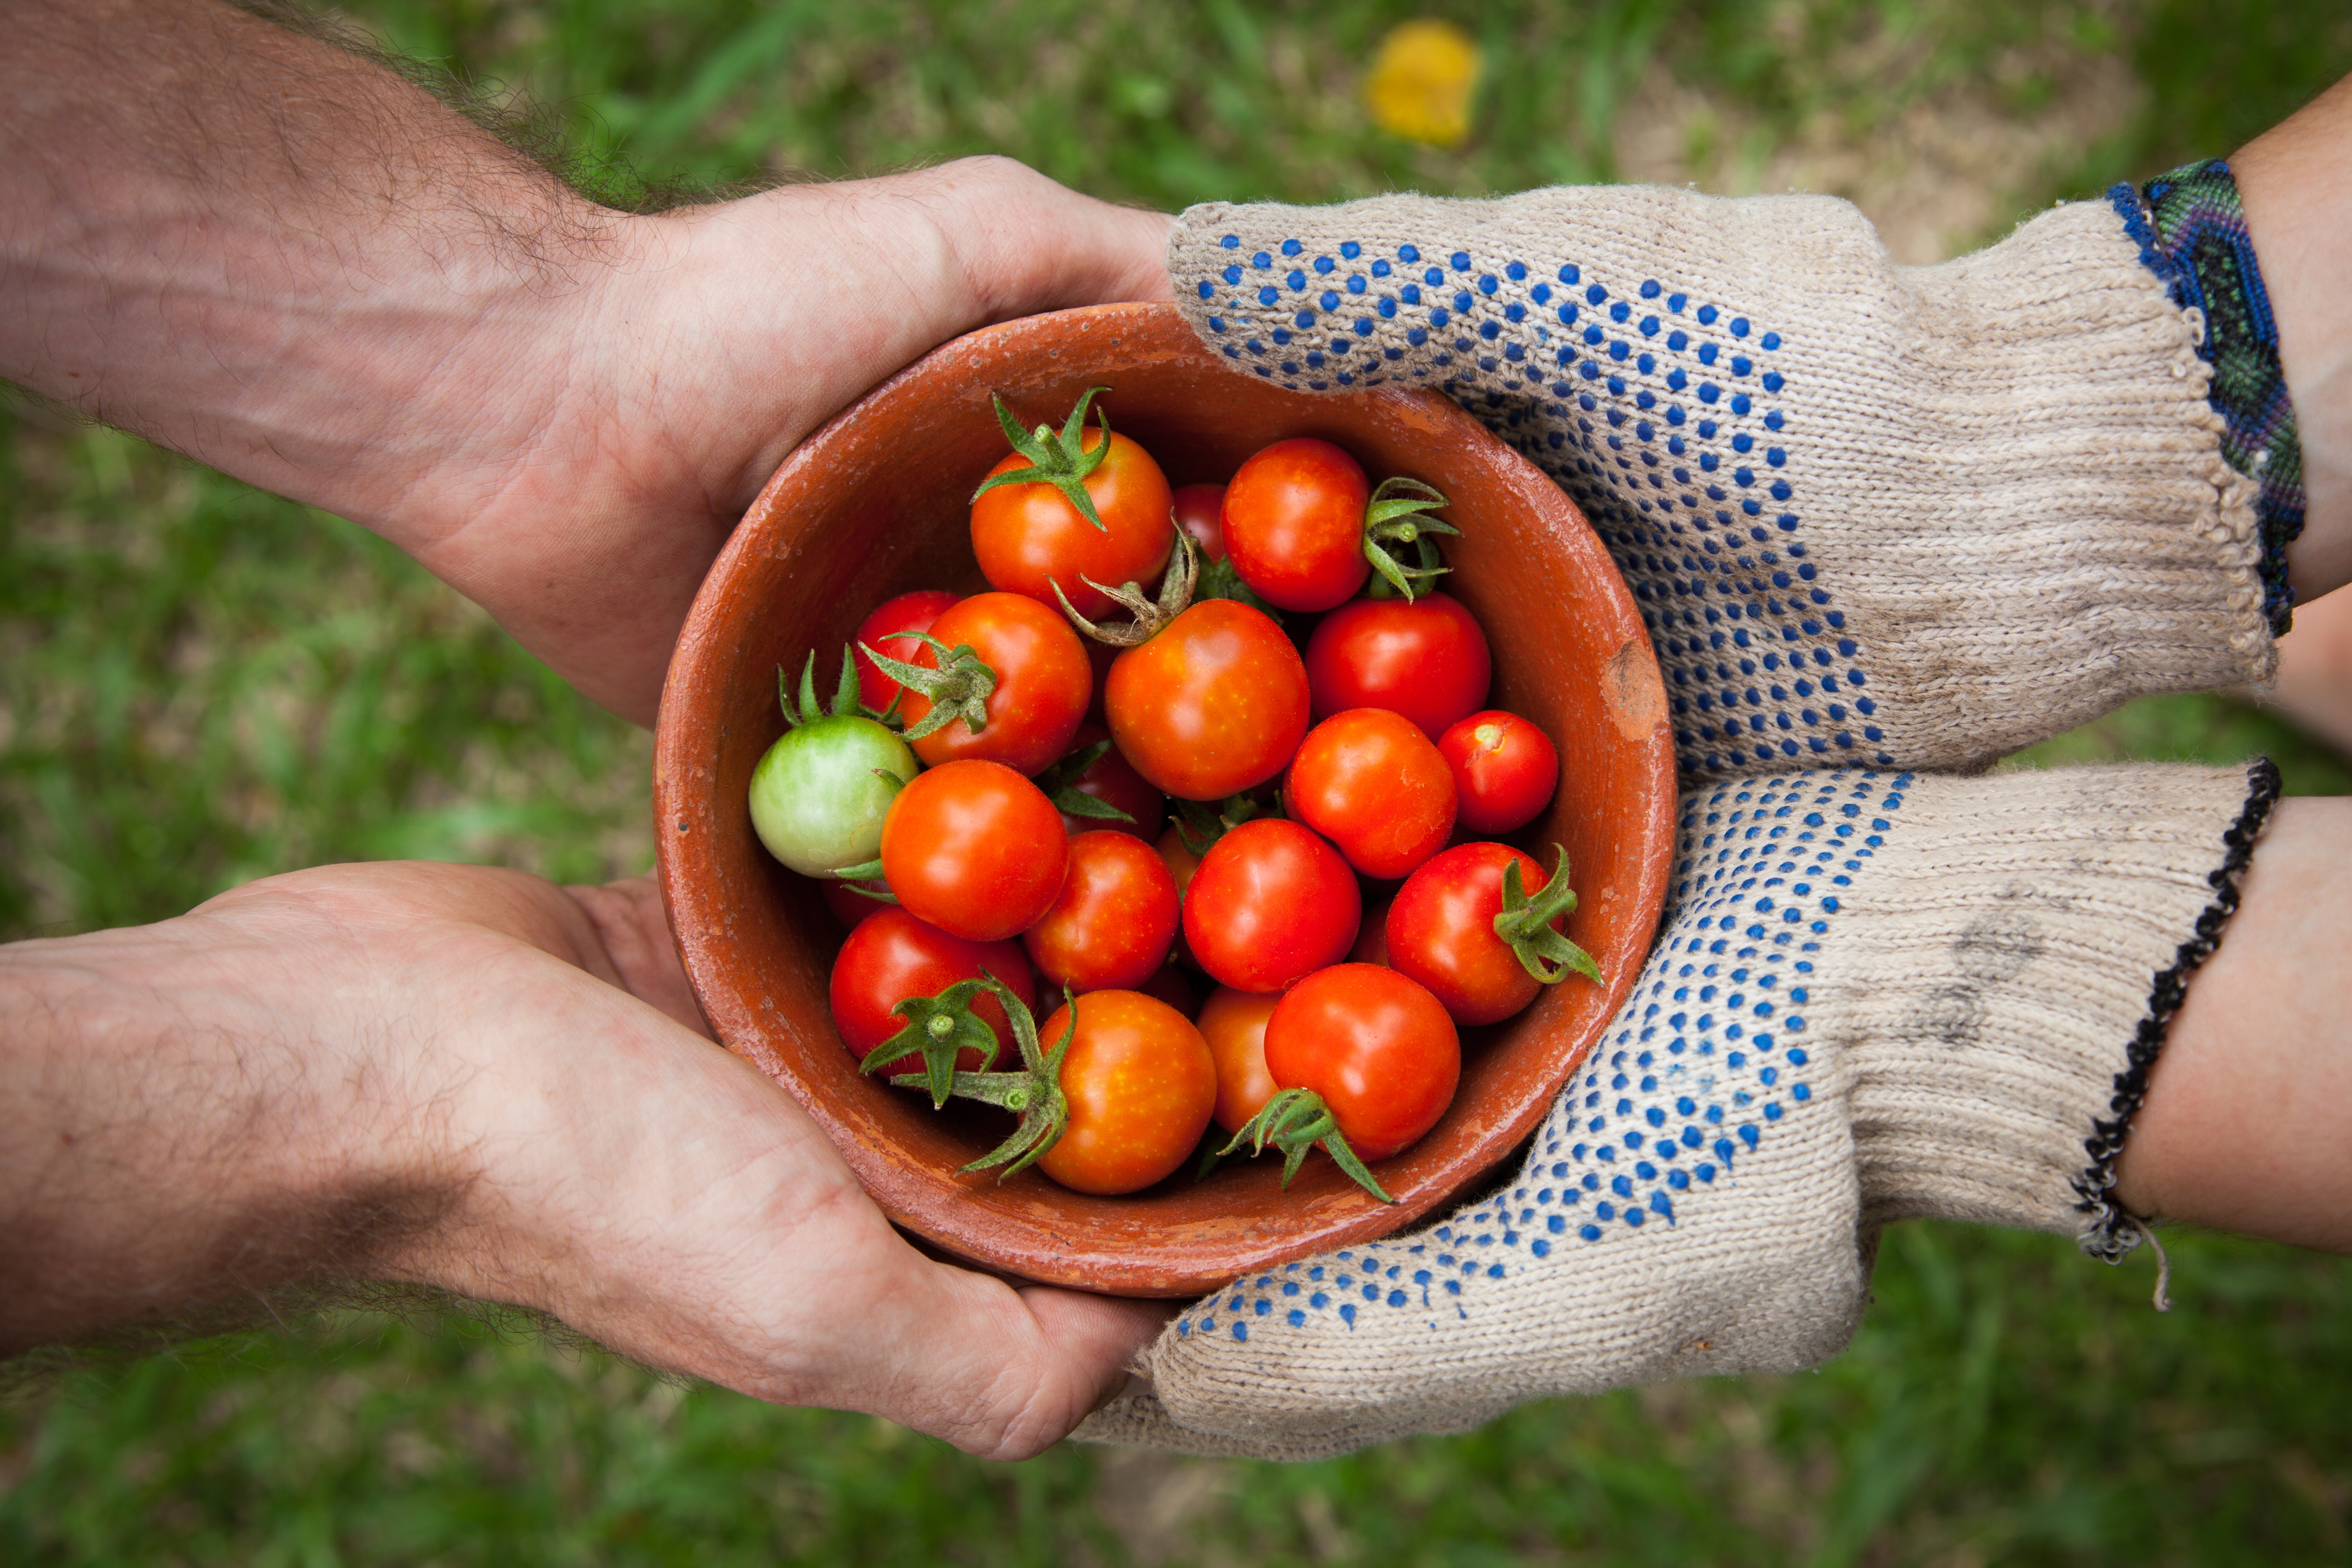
[[1322, 1212]]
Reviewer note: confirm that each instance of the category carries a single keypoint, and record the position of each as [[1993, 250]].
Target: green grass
[[199, 684]]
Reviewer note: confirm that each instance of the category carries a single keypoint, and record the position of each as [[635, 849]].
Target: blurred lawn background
[[200, 684]]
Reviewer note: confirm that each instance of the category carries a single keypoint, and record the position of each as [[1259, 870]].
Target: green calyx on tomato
[[1175, 597], [1397, 519], [1294, 1121], [937, 1029], [1526, 924], [1200, 825], [1060, 783], [959, 688], [1059, 460], [1033, 1093]]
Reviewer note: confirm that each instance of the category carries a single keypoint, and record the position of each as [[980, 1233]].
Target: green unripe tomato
[[816, 802]]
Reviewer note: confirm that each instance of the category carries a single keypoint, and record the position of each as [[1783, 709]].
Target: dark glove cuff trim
[[2108, 1231], [2190, 227]]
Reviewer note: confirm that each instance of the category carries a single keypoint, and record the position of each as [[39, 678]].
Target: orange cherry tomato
[[1427, 661], [1504, 769], [1215, 704], [1370, 782], [1271, 902], [1294, 522], [1441, 932], [974, 848], [1029, 537], [1110, 927], [1375, 1044], [1043, 684], [1141, 1086], [1233, 1023]]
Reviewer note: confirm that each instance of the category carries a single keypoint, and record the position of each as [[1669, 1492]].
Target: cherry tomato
[[1370, 782], [974, 848], [1375, 1044], [853, 910], [1029, 537], [1171, 985], [1271, 902], [892, 956], [1233, 1023], [1504, 769], [1441, 932], [907, 612], [1427, 661], [1141, 1085], [1043, 683], [1112, 779], [1215, 704], [1110, 927], [1198, 512], [1294, 524]]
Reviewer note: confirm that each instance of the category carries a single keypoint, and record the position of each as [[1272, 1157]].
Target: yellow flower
[[1421, 82]]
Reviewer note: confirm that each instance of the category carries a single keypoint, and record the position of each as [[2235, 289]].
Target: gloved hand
[[1903, 516], [1877, 996]]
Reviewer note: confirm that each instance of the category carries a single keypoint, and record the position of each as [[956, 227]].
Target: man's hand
[[474, 1079], [285, 261]]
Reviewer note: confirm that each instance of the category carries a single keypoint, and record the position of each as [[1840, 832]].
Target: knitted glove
[[1877, 996], [1914, 516]]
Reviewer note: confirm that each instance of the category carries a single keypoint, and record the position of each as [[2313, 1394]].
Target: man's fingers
[[633, 928]]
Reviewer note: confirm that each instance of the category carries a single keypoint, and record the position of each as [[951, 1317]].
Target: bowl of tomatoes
[[879, 510]]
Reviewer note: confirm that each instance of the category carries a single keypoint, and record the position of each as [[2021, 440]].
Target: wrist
[[180, 1131]]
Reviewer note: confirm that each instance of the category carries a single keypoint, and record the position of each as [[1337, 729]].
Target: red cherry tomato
[[1043, 683], [882, 632], [1427, 661], [1271, 902], [1199, 512], [852, 910], [1215, 704], [974, 848], [892, 956], [1504, 769], [1375, 1044], [1141, 1085], [1114, 781], [1293, 519], [1029, 537], [1441, 932], [1110, 927], [1370, 782], [1233, 1023]]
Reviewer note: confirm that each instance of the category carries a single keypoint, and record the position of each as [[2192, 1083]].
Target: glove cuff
[[1909, 517], [2001, 1023]]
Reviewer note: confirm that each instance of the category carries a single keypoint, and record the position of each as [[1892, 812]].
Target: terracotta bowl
[[877, 504]]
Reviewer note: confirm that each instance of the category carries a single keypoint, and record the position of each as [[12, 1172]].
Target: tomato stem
[[1150, 619], [1294, 1122], [958, 687], [1033, 1092], [1526, 924], [1199, 826], [1062, 461], [1393, 520], [845, 701], [938, 1028]]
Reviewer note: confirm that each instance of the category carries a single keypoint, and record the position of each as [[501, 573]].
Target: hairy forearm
[[169, 1140], [271, 253]]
